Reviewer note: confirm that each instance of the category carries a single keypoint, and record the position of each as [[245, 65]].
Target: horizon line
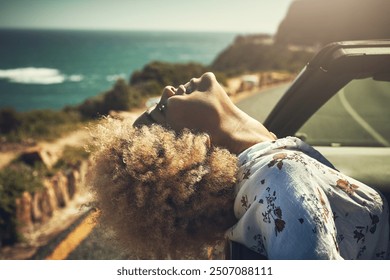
[[18, 28]]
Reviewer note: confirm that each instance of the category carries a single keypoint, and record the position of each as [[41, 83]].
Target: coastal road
[[259, 105], [357, 116]]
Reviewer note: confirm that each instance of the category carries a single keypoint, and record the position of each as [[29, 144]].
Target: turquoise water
[[51, 69]]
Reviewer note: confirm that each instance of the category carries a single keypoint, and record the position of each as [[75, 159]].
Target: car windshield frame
[[333, 67]]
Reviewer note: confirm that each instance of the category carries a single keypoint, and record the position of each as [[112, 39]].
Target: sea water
[[50, 69]]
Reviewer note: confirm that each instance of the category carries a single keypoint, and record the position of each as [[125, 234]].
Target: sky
[[245, 16]]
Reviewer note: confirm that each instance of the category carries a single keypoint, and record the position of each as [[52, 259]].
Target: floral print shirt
[[291, 203]]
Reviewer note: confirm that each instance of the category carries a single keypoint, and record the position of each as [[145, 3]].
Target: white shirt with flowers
[[293, 204]]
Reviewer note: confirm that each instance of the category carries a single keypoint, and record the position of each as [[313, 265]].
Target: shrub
[[167, 73], [71, 157], [91, 107], [121, 97], [37, 124], [249, 56], [9, 120]]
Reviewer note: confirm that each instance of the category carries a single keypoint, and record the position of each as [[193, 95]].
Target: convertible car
[[340, 104]]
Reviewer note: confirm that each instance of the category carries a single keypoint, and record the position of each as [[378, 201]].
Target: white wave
[[75, 78], [114, 78], [33, 75]]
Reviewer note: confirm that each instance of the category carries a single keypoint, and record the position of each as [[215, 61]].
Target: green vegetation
[[251, 54], [161, 74], [120, 98], [14, 180], [36, 125]]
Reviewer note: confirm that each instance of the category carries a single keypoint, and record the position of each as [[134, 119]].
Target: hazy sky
[[248, 16]]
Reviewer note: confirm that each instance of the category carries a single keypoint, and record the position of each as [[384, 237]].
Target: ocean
[[50, 69]]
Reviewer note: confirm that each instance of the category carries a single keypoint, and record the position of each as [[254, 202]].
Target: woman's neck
[[239, 132]]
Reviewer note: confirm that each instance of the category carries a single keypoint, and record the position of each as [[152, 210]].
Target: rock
[[36, 207], [23, 212], [83, 169], [60, 183], [49, 199], [33, 210], [309, 22], [73, 177]]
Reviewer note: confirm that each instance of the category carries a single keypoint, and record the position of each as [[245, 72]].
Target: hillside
[[254, 53], [318, 22]]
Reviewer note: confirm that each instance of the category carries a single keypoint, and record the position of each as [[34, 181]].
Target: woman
[[177, 176]]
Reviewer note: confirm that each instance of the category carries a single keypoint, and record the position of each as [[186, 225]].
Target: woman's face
[[198, 105]]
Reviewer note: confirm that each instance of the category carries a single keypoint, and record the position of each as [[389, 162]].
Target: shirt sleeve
[[283, 213]]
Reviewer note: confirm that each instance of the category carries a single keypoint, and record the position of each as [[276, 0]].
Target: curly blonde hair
[[164, 194]]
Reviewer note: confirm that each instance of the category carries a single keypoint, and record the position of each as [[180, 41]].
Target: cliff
[[318, 22], [253, 53]]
